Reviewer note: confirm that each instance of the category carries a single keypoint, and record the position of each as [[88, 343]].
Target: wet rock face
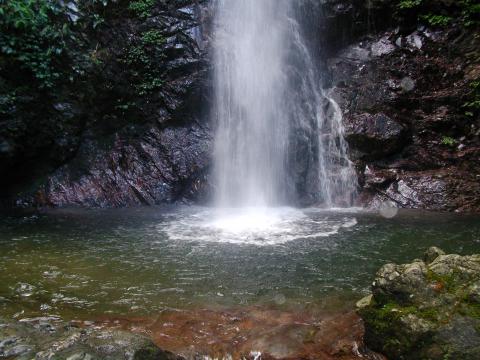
[[403, 93], [426, 309], [374, 136], [135, 131], [163, 166], [50, 338]]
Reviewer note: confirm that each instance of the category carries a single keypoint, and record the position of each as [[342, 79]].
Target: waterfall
[[279, 138]]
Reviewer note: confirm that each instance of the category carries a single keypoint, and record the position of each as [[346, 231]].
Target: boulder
[[427, 309]]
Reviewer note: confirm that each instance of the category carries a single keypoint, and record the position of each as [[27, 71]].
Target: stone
[[364, 302], [382, 47], [73, 139], [407, 84], [374, 135], [429, 70], [425, 310], [415, 192], [417, 86], [415, 41], [71, 343], [432, 253], [473, 292]]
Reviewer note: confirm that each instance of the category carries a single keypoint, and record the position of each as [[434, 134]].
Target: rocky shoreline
[[51, 338], [249, 333], [428, 309]]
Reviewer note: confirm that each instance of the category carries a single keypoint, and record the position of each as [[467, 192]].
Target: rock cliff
[[126, 121]]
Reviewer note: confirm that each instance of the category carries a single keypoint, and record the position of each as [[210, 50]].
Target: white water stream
[[268, 101]]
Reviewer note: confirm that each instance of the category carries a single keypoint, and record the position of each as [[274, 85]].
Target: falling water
[[278, 135]]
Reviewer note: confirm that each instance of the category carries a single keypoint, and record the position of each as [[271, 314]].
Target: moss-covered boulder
[[429, 309]]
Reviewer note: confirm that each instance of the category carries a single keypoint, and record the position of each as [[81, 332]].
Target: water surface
[[82, 264]]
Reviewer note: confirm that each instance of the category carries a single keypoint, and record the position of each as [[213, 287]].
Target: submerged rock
[[426, 310], [27, 340]]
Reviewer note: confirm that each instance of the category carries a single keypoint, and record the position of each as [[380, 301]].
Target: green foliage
[[448, 141], [142, 8], [470, 12], [472, 106], [30, 37], [145, 76], [124, 106], [437, 20], [409, 4], [466, 12], [149, 84], [7, 102], [137, 56], [153, 37]]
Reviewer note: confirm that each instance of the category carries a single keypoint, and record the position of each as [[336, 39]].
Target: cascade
[[277, 132]]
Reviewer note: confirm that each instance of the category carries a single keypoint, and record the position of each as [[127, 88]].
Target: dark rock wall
[[135, 128], [404, 90]]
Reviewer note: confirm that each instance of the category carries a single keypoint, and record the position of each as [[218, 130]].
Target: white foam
[[255, 226]]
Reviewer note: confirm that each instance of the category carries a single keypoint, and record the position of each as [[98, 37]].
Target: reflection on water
[[136, 262]]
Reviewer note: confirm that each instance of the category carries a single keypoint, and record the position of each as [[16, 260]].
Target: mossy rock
[[426, 310]]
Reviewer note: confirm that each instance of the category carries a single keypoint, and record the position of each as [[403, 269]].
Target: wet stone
[[24, 340]]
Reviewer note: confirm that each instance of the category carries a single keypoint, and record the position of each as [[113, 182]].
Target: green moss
[[469, 310], [386, 332], [448, 141], [448, 282], [384, 329]]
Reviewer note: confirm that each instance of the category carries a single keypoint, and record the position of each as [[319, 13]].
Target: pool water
[[84, 264]]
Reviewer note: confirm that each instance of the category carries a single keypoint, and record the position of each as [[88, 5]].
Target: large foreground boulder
[[429, 309]]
